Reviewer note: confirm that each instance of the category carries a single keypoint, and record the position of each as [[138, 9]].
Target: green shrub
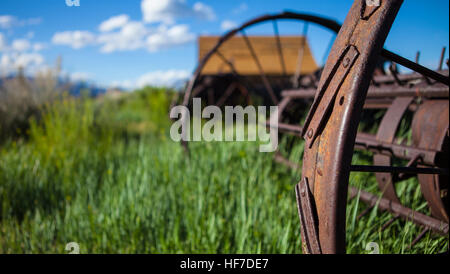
[[22, 99], [142, 112]]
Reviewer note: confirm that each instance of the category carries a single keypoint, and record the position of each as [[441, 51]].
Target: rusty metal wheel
[[217, 90], [330, 133]]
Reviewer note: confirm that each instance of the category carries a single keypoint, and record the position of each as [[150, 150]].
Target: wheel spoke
[[261, 71], [280, 50], [301, 53], [226, 94]]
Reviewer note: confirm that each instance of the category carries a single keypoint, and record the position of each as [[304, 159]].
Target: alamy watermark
[[73, 3], [73, 248], [235, 125], [373, 248]]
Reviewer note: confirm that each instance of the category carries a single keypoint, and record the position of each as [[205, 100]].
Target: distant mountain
[[75, 88]]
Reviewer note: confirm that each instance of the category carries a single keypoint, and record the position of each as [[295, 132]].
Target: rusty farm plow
[[359, 76]]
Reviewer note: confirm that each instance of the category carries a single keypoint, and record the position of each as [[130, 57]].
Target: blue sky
[[136, 42]]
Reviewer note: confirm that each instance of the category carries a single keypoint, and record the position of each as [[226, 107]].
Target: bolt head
[[346, 62], [310, 133], [319, 171]]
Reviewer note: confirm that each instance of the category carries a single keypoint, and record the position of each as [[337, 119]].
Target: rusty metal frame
[[351, 76], [431, 131], [324, 22], [386, 133], [331, 124]]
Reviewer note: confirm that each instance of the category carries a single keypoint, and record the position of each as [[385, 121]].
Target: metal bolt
[[319, 171], [346, 62], [310, 133], [303, 192]]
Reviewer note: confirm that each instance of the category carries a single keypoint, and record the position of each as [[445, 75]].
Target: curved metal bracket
[[327, 158]]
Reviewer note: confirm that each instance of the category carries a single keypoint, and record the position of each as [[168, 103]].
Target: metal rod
[[366, 141], [244, 92], [392, 169], [226, 94], [382, 79], [434, 91], [282, 160], [365, 211], [419, 237], [261, 71], [300, 56], [394, 73], [227, 62], [280, 50], [283, 127], [197, 90], [410, 163], [402, 211], [327, 51], [211, 100], [441, 60], [377, 103], [232, 67], [388, 223], [415, 67]]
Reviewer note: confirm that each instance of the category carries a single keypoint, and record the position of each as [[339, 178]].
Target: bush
[[142, 112], [21, 99]]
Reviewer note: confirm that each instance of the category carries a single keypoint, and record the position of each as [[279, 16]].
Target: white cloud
[[9, 21], [204, 11], [166, 37], [134, 35], [118, 33], [39, 46], [9, 63], [6, 64], [167, 11], [21, 45], [228, 25], [76, 39], [241, 8], [79, 76], [31, 21], [3, 43], [26, 60], [130, 37], [166, 78], [114, 23], [133, 29], [29, 35], [20, 54], [127, 84]]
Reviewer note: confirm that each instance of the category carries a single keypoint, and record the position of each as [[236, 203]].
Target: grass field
[[103, 173]]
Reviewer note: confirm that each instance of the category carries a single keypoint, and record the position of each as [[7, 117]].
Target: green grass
[[106, 175]]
